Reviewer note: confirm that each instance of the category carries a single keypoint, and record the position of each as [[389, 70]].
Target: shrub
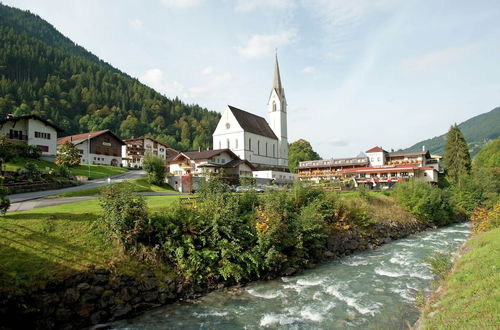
[[125, 214], [68, 155], [426, 202], [4, 200], [154, 166], [484, 218], [440, 263], [30, 172]]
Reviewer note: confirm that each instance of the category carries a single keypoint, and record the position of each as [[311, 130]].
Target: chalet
[[134, 150], [377, 167], [100, 148], [32, 130]]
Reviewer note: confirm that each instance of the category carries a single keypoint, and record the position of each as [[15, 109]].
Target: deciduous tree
[[299, 151]]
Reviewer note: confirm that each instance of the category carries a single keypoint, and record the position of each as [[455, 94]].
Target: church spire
[[277, 79]]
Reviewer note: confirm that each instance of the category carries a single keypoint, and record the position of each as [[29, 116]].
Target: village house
[[134, 150], [32, 130], [378, 167], [99, 148]]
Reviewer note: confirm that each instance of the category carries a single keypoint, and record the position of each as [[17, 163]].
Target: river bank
[[468, 297], [374, 289], [100, 295]]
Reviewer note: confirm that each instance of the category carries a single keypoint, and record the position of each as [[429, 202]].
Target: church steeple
[[277, 79]]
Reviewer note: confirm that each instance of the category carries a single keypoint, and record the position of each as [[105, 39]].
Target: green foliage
[[154, 166], [68, 155], [4, 200], [45, 73], [440, 263], [477, 130], [30, 172], [9, 151], [298, 151], [489, 155], [456, 158], [125, 214], [426, 202]]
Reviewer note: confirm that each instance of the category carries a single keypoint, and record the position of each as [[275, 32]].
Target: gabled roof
[[204, 154], [43, 120], [231, 164], [252, 123], [375, 149], [79, 138]]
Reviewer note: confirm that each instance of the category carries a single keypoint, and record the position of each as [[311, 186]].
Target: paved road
[[16, 198], [42, 202]]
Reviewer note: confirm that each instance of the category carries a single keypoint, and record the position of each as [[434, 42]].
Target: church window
[[250, 144], [220, 147], [274, 151], [228, 125], [258, 147], [274, 106], [228, 144], [236, 143], [266, 148]]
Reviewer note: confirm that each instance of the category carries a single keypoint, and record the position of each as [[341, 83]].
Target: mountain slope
[[43, 72], [477, 131]]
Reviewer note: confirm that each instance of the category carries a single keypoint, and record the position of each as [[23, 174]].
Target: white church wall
[[255, 152]]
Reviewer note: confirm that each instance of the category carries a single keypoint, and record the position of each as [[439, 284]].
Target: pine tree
[[456, 155]]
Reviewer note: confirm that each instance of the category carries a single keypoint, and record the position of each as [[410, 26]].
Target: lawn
[[96, 171], [471, 293], [138, 185], [53, 241]]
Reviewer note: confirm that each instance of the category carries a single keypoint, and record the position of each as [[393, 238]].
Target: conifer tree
[[456, 155]]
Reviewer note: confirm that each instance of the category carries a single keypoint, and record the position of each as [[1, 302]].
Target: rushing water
[[369, 290]]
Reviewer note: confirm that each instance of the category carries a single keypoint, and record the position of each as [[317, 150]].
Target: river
[[369, 290]]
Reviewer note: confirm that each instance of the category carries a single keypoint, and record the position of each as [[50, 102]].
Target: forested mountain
[[477, 131], [45, 73]]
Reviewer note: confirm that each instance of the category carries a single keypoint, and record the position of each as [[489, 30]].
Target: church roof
[[252, 123]]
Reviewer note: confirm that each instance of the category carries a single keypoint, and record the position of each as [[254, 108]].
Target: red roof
[[78, 138], [376, 149]]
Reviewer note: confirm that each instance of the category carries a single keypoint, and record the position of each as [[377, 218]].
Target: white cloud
[[434, 60], [308, 69], [251, 5], [136, 24], [212, 86], [263, 44], [156, 79], [181, 3], [207, 70]]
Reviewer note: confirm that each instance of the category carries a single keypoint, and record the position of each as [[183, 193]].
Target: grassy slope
[[96, 171], [139, 185], [471, 295], [47, 242]]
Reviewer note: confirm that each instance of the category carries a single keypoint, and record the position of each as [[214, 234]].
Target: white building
[[99, 148], [32, 130], [251, 137], [134, 150]]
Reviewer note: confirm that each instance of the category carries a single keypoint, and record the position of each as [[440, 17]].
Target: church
[[251, 137]]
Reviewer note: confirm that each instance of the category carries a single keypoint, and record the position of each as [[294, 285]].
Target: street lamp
[[88, 154]]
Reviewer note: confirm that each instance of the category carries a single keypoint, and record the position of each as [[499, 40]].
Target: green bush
[[426, 202], [30, 172], [125, 214], [440, 263], [4, 200], [154, 166]]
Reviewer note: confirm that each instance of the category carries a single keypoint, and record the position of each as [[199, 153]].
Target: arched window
[[220, 145], [266, 148], [258, 147], [274, 106], [236, 143], [228, 145], [250, 144], [274, 151]]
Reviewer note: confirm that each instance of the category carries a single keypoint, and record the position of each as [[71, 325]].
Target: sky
[[356, 73]]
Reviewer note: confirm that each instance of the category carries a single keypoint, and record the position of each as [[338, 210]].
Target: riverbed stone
[[121, 310], [83, 287], [99, 316], [71, 296]]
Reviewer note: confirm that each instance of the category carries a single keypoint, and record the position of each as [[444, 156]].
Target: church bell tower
[[277, 116]]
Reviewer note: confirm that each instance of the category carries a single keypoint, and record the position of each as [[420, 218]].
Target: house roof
[[43, 120], [376, 149], [277, 80], [79, 138], [204, 154], [408, 153], [252, 123], [232, 164]]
